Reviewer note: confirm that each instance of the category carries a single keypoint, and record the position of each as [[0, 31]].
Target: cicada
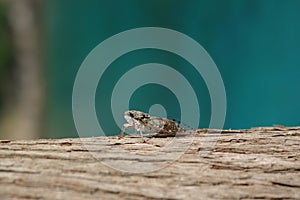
[[143, 122]]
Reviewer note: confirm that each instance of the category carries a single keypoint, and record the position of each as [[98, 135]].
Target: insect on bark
[[143, 122]]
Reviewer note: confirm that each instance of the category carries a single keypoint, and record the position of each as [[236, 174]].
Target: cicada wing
[[155, 124], [163, 125]]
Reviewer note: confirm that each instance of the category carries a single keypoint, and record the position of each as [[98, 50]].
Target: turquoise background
[[254, 43]]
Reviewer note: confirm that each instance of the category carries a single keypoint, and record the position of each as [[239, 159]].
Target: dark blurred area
[[254, 43]]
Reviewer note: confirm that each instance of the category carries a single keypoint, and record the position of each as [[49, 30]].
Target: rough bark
[[260, 163]]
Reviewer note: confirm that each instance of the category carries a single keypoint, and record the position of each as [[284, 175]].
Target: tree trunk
[[260, 163], [22, 110]]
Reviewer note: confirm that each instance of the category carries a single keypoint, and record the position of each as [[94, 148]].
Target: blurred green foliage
[[5, 48], [5, 40]]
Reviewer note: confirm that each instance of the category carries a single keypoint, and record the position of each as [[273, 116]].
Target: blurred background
[[255, 44]]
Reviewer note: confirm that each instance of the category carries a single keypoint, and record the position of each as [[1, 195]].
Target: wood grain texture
[[260, 163]]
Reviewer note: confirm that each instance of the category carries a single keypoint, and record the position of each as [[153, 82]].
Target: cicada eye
[[131, 115]]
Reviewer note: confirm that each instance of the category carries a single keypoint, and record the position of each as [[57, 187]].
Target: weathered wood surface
[[260, 163]]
